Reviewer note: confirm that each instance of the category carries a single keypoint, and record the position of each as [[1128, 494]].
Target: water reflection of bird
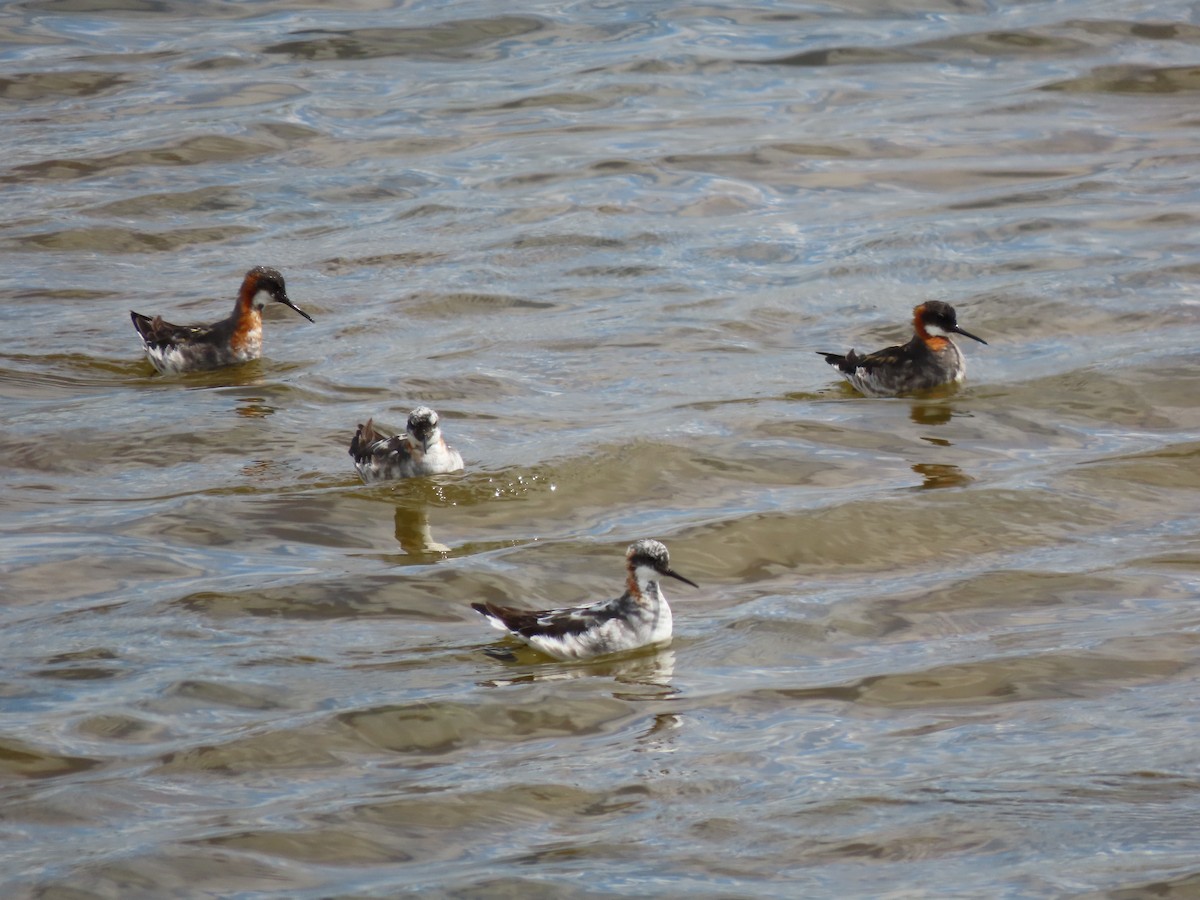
[[413, 532], [189, 348], [927, 361], [638, 676], [938, 475], [421, 450], [638, 618], [935, 413]]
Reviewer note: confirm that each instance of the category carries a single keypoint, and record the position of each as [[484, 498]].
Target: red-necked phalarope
[[420, 451], [189, 348], [638, 618], [929, 360]]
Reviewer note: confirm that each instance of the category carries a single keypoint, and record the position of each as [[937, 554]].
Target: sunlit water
[[942, 647]]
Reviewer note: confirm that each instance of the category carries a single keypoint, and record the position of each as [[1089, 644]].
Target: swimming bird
[[189, 348], [638, 618], [927, 361], [421, 450]]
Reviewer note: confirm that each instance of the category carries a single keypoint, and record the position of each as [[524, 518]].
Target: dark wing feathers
[[834, 359], [159, 331], [364, 437], [844, 362], [363, 445], [513, 619], [888, 356], [552, 622]]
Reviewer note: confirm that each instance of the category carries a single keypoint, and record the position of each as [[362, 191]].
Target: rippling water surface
[[943, 647]]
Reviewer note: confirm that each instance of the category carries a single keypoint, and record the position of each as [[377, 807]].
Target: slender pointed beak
[[424, 437], [966, 333], [675, 574], [290, 305]]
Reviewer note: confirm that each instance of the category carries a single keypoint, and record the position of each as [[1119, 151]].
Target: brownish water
[[943, 647]]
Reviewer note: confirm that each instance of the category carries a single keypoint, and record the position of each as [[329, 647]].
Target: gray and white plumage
[[421, 450], [640, 617]]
